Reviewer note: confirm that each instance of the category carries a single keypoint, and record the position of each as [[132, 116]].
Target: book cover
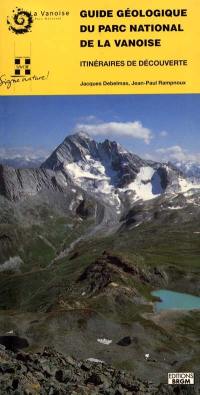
[[99, 197]]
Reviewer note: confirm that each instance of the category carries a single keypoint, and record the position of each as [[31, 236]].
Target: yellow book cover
[[99, 197]]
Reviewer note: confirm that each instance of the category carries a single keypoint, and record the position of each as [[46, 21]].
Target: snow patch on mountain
[[91, 176], [175, 207], [186, 185], [147, 184], [81, 170]]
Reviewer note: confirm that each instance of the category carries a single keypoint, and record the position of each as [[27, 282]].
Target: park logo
[[20, 22], [22, 66]]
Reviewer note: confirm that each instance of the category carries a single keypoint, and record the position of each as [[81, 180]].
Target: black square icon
[[27, 72], [17, 72], [17, 61], [27, 61]]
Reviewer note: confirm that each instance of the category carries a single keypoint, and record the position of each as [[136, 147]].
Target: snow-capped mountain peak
[[108, 170], [103, 169]]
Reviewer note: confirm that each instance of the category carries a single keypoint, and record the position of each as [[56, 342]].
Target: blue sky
[[161, 126]]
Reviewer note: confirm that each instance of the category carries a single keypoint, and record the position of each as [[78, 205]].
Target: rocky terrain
[[52, 373]]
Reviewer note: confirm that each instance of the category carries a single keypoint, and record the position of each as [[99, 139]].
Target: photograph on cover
[[99, 244]]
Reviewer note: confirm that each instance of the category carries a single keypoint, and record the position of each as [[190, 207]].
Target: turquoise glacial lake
[[175, 300]]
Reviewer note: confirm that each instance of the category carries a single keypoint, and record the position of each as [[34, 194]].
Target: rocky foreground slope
[[51, 373]]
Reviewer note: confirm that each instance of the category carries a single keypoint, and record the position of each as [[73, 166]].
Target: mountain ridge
[[103, 169]]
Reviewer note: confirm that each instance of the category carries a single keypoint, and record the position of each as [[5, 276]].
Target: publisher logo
[[181, 378], [20, 22]]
